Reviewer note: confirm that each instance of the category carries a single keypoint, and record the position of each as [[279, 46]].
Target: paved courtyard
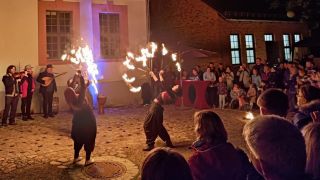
[[42, 148]]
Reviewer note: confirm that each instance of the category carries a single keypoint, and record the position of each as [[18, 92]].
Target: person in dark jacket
[[213, 156], [84, 128], [47, 90], [311, 96], [27, 87], [11, 96], [153, 124]]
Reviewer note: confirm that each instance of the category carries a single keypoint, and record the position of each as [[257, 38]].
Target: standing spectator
[[311, 135], [200, 72], [277, 148], [163, 163], [273, 102], [185, 75], [195, 75], [244, 77], [255, 78], [220, 69], [27, 88], [237, 94], [252, 95], [209, 76], [310, 66], [302, 77], [212, 90], [11, 96], [265, 76], [280, 74], [212, 68], [292, 88], [259, 66], [214, 157], [229, 77], [222, 92], [47, 89]]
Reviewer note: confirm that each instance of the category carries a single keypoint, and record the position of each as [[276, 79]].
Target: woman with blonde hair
[[311, 134], [214, 157]]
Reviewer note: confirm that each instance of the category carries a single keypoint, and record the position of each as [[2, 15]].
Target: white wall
[[18, 35]]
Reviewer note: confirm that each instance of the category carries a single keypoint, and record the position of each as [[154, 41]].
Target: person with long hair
[[27, 87], [213, 156], [311, 134], [163, 163], [12, 92]]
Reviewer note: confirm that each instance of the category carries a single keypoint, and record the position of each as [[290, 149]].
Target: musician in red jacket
[[47, 88], [27, 87]]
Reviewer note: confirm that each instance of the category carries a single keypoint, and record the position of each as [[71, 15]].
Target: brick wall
[[195, 24]]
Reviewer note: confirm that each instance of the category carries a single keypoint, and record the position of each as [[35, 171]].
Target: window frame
[[294, 37], [287, 47], [115, 36], [251, 48], [268, 34], [58, 35], [238, 49]]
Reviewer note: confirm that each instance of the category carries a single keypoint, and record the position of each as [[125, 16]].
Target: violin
[[19, 75]]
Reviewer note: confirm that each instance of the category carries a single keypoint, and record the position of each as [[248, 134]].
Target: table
[[200, 101]]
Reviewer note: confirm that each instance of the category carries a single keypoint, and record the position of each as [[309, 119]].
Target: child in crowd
[[252, 95], [222, 92], [237, 97]]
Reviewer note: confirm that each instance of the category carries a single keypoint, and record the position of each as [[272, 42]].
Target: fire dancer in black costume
[[153, 125], [84, 128]]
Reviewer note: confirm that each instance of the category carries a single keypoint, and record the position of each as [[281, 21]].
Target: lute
[[48, 80]]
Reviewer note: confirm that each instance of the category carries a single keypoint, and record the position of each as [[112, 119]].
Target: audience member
[[214, 157], [229, 77], [195, 75], [311, 135], [311, 96], [222, 92], [163, 163], [277, 148], [273, 102]]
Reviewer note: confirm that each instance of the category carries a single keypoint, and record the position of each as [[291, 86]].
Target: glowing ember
[[178, 66], [135, 89], [249, 116], [128, 65], [84, 55], [164, 50], [174, 57]]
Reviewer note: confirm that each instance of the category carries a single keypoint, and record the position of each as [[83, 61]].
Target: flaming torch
[[164, 52]]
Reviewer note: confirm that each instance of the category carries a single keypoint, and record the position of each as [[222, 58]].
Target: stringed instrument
[[48, 80]]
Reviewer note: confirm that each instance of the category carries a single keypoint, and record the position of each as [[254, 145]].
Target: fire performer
[[153, 125], [84, 128]]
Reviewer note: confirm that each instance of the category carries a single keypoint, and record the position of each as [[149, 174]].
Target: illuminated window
[[297, 38], [109, 35], [235, 49], [59, 33], [268, 37], [250, 49], [286, 46]]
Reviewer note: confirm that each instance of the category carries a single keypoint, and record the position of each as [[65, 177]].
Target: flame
[[174, 57], [164, 50], [130, 55], [178, 66], [249, 116], [135, 89], [128, 80], [84, 55], [128, 65]]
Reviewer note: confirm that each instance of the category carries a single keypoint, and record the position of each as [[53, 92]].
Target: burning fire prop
[[143, 62], [83, 56], [249, 116]]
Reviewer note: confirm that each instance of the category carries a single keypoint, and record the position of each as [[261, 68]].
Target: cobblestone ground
[[42, 148]]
